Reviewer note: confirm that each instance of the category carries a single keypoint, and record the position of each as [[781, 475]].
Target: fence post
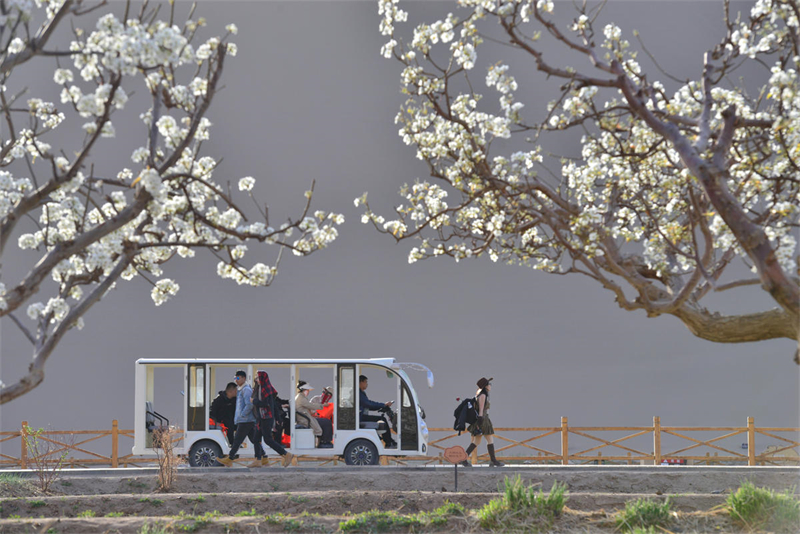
[[657, 440], [114, 443], [564, 442], [23, 453], [751, 441]]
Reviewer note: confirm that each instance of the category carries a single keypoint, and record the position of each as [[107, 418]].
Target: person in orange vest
[[322, 428], [327, 411]]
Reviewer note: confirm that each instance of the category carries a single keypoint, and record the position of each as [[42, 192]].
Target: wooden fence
[[562, 444], [81, 448]]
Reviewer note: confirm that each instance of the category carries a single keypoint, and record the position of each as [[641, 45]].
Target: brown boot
[[256, 463], [265, 462], [494, 462], [287, 459], [226, 461]]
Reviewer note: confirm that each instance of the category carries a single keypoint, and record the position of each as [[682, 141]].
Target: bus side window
[[346, 418], [196, 413], [408, 421]]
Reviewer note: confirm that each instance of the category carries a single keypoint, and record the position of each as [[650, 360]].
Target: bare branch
[[35, 373], [22, 328]]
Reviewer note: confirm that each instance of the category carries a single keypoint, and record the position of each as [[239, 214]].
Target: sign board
[[455, 455]]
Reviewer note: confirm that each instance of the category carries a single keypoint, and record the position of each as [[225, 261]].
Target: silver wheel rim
[[361, 455], [205, 457]]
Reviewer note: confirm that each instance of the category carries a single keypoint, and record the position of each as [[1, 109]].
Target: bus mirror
[[430, 379]]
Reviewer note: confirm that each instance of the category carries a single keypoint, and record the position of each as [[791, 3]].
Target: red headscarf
[[265, 392]]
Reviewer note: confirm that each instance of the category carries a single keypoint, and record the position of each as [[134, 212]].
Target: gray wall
[[309, 97]]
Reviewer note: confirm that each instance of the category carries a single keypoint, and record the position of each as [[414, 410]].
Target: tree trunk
[[772, 324]]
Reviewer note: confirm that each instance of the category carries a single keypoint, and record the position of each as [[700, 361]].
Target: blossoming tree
[[671, 187], [90, 230]]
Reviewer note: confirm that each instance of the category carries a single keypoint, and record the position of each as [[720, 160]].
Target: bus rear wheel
[[204, 454], [361, 452]]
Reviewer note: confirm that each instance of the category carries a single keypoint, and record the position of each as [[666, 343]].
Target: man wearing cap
[[304, 410], [245, 420]]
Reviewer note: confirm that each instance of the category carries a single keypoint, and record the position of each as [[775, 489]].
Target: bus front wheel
[[361, 452], [204, 454]]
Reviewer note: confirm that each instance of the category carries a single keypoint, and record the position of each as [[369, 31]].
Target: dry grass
[[46, 454], [164, 444]]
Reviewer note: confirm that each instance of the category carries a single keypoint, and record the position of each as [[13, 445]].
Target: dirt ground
[[304, 500]]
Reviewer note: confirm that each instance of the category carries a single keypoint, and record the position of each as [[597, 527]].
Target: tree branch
[[24, 330], [35, 373], [772, 324]]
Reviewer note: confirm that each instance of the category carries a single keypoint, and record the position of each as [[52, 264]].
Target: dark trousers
[[387, 436], [265, 425], [246, 430], [327, 429], [230, 432]]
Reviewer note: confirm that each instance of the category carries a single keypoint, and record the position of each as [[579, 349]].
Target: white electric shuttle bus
[[202, 442]]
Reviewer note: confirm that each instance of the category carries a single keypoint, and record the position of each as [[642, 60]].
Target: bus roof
[[385, 362]]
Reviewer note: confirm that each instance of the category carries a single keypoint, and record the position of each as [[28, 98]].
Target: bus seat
[[374, 425], [149, 418], [305, 423]]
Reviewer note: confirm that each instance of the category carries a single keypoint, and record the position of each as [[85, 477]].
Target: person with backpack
[[482, 426], [264, 399]]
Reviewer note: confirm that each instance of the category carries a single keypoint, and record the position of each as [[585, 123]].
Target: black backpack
[[465, 414]]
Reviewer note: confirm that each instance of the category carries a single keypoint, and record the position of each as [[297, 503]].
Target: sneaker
[[225, 460], [465, 463], [287, 459], [391, 445], [495, 463]]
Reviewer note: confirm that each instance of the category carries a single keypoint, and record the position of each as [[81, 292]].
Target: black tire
[[204, 454], [361, 452]]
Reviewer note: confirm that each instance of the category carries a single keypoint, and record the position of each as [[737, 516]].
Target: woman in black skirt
[[483, 426]]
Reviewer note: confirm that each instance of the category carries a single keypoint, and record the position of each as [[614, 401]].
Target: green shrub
[[379, 521], [292, 525], [764, 509], [87, 513], [11, 479], [523, 507], [247, 513], [154, 502], [153, 528], [115, 514], [36, 504], [644, 514], [438, 518]]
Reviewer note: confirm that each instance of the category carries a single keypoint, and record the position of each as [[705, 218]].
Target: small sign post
[[455, 455]]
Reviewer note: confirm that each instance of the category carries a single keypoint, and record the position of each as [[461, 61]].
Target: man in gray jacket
[[245, 420]]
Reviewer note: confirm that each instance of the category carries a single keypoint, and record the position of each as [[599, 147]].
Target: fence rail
[[564, 444]]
